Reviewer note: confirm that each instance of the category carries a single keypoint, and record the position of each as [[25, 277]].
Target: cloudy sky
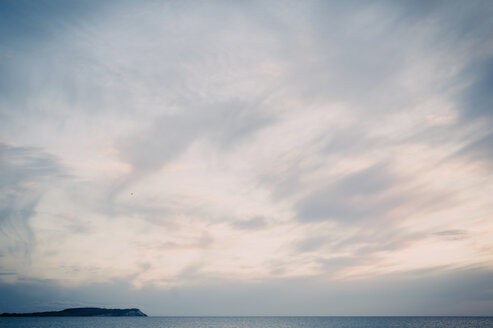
[[247, 157]]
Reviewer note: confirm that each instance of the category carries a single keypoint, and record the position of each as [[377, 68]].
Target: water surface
[[247, 322]]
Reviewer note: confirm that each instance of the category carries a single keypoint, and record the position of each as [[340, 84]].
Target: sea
[[247, 322]]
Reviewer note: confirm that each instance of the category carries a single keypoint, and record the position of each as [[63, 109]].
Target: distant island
[[82, 312]]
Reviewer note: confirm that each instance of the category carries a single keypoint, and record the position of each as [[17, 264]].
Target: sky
[[247, 157]]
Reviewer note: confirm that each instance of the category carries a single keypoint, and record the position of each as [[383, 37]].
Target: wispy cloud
[[25, 173]]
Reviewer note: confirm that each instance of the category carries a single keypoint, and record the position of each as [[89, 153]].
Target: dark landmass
[[82, 312]]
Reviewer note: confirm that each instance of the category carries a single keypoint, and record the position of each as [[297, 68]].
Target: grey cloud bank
[[397, 295]]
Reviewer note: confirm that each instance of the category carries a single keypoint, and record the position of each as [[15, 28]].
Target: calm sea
[[248, 322]]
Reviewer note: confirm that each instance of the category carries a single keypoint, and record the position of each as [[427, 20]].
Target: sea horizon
[[274, 316], [250, 322]]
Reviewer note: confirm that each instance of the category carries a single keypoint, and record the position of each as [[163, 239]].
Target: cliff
[[82, 312]]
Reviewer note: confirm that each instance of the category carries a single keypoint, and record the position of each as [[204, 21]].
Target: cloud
[[450, 233], [251, 224], [222, 123], [463, 27], [477, 98], [312, 244], [352, 198], [30, 27], [342, 255], [202, 242], [479, 150], [24, 174], [438, 292]]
